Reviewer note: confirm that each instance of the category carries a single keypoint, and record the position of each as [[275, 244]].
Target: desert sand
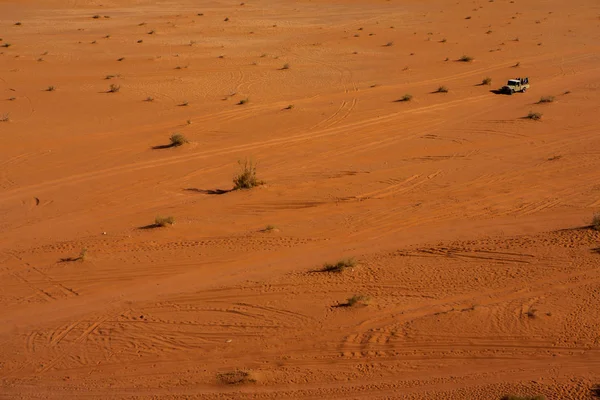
[[476, 268]]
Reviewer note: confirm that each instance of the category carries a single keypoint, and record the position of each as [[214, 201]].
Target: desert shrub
[[150, 98], [518, 64], [596, 222], [243, 101], [442, 89], [4, 117], [6, 45], [443, 40], [236, 377], [269, 228], [340, 266], [534, 115], [114, 88], [406, 97], [50, 89], [286, 66], [289, 107], [163, 221], [246, 178], [356, 300], [177, 139], [96, 17], [388, 44], [486, 81], [121, 59], [466, 58], [546, 99]]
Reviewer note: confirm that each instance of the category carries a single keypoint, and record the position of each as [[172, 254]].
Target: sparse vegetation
[[96, 16], [340, 266], [184, 104], [465, 58], [596, 222], [517, 65], [442, 89], [486, 81], [246, 178], [286, 66], [443, 40], [406, 97], [388, 44], [289, 107], [121, 59], [81, 257], [237, 377], [177, 139], [149, 99], [4, 117], [546, 99], [536, 116], [243, 101], [50, 89], [269, 228], [357, 300], [531, 313], [114, 88], [6, 45], [163, 221]]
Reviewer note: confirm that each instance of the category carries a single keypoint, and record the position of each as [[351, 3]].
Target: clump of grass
[[443, 40], [6, 45], [546, 99], [513, 397], [177, 139], [152, 32], [536, 116], [246, 178], [357, 300], [468, 17], [442, 89], [50, 89], [289, 107], [517, 65], [163, 221], [596, 222], [340, 266], [465, 58], [184, 104], [286, 66], [114, 88], [388, 44], [406, 97], [81, 257], [18, 23], [149, 99], [121, 59], [268, 228], [237, 377], [243, 101], [486, 81], [96, 16], [4, 117]]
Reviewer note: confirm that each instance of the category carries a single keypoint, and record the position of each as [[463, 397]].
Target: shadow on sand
[[209, 191]]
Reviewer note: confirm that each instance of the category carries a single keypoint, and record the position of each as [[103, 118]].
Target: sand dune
[[475, 267]]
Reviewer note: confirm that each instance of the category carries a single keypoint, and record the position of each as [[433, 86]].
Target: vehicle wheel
[[524, 89], [511, 91]]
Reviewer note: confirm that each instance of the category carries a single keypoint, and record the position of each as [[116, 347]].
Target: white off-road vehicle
[[516, 85]]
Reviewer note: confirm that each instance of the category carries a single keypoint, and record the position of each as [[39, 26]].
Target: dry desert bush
[[596, 222], [237, 377], [163, 221], [466, 58], [486, 81], [406, 97], [177, 139], [340, 266], [246, 178], [546, 99], [442, 89], [357, 300], [536, 116]]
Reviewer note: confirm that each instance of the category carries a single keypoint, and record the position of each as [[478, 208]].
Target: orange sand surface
[[469, 223]]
